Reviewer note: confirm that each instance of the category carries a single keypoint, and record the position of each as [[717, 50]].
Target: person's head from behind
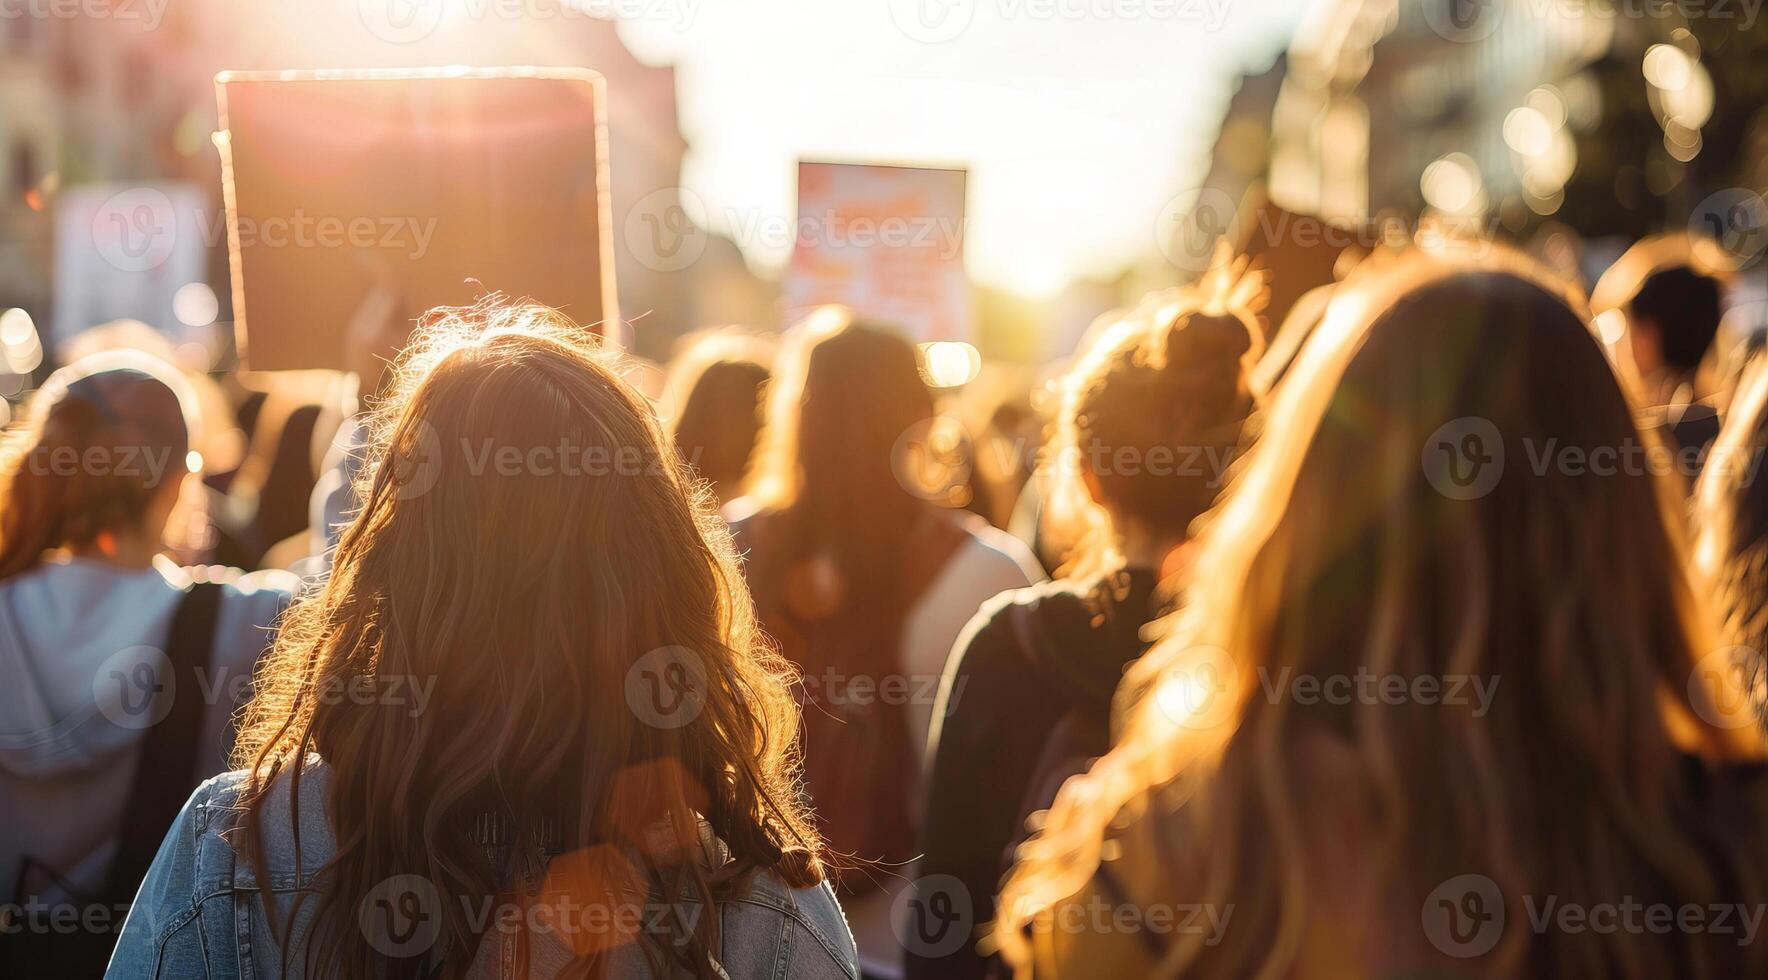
[[845, 396], [717, 385], [221, 444], [530, 546], [848, 406], [1152, 417], [1673, 318], [1504, 649], [96, 462]]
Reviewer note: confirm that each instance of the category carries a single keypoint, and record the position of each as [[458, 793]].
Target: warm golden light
[[19, 344], [1452, 184], [949, 364], [16, 328], [1666, 66], [1527, 131]]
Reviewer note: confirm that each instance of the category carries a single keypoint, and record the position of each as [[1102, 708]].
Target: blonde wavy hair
[[1338, 550]]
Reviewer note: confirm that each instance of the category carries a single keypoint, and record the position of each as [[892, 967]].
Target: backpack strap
[[167, 771]]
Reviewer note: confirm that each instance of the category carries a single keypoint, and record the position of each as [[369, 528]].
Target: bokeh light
[[195, 305], [949, 364]]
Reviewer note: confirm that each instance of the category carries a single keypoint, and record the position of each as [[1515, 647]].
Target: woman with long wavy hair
[[1434, 702], [527, 727], [866, 582]]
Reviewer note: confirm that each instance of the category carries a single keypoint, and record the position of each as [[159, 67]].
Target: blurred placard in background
[[448, 182], [886, 242], [123, 251]]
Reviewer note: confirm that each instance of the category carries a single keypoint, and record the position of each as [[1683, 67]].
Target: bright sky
[[1078, 119]]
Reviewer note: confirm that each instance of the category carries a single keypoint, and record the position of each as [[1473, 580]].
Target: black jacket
[[1026, 702]]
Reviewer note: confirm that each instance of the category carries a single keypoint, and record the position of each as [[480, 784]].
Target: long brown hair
[[718, 383], [844, 398], [533, 598], [1336, 552], [98, 443]]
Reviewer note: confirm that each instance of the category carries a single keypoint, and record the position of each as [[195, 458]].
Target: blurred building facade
[[1381, 91], [1611, 119], [28, 148]]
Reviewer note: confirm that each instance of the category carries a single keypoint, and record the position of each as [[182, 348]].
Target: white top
[[989, 562], [75, 636]]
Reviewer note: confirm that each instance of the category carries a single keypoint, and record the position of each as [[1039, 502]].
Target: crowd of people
[[1417, 633]]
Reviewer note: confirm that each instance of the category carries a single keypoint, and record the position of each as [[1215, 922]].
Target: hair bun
[[1205, 342]]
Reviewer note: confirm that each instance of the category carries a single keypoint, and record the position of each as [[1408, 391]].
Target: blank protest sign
[[451, 182]]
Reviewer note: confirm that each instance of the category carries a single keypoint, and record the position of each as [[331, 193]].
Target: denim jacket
[[200, 912]]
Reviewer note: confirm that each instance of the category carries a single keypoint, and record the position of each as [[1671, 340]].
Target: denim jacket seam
[[171, 929], [242, 933], [202, 939], [828, 950], [794, 916], [230, 880], [783, 961], [282, 883]]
